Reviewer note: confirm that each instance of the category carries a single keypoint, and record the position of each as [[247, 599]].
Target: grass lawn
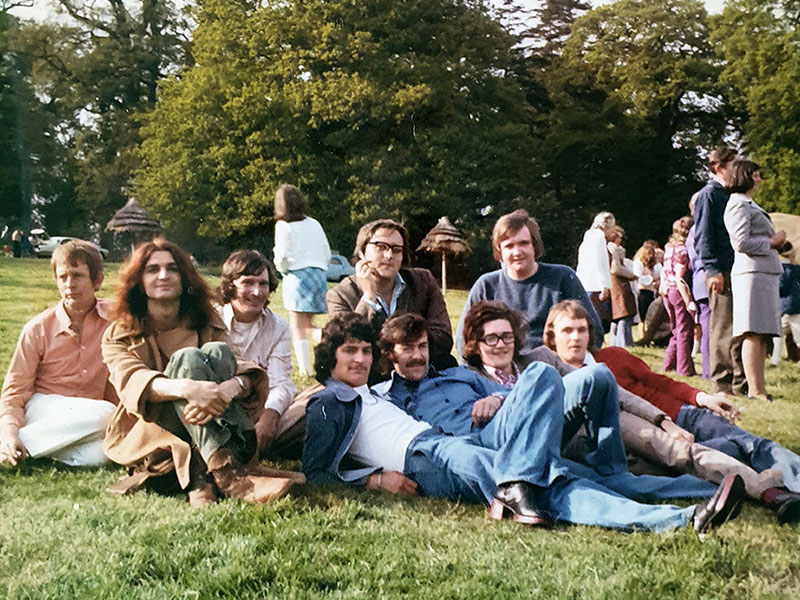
[[63, 536]]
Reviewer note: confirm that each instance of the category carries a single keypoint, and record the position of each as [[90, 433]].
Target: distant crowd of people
[[189, 388], [719, 286]]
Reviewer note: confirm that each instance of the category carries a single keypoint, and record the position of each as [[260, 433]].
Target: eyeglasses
[[382, 247], [493, 338]]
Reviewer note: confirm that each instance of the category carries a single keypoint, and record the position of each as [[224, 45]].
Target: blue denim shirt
[[443, 399]]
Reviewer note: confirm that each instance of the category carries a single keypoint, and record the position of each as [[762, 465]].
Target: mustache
[[420, 362]]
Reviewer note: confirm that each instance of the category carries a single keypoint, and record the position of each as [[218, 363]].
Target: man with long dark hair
[[186, 404]]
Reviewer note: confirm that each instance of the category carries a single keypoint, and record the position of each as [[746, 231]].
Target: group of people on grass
[[719, 282], [189, 389]]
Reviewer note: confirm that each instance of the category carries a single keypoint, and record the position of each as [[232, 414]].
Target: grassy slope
[[62, 536]]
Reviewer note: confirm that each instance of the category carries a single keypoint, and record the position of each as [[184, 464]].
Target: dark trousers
[[760, 453], [725, 353]]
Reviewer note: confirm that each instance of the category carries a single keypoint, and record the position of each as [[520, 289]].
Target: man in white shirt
[[513, 464], [257, 334]]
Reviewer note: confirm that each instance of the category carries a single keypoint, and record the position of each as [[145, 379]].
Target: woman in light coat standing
[[755, 273], [302, 255]]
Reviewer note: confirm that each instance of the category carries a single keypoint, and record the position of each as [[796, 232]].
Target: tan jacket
[[133, 362]]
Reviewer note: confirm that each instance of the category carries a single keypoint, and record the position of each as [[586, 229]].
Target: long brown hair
[[130, 300]]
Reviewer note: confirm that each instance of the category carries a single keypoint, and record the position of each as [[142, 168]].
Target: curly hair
[[130, 300], [720, 157], [401, 328], [509, 224], [335, 333], [571, 308], [239, 264], [680, 230], [481, 313]]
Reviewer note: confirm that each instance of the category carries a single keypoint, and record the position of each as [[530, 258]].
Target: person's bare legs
[[301, 325], [754, 353]]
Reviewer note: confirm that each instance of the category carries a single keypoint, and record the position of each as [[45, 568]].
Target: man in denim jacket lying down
[[513, 463]]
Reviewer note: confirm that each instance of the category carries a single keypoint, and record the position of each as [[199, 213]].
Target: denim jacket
[[331, 419]]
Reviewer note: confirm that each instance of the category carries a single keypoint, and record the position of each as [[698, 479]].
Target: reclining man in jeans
[[513, 463]]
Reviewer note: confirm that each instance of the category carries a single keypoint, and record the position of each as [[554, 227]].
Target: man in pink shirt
[[55, 397]]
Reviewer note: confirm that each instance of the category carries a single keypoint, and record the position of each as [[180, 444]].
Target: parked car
[[44, 245], [339, 268]]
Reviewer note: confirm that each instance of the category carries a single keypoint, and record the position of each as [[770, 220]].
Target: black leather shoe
[[786, 507], [515, 501], [724, 505]]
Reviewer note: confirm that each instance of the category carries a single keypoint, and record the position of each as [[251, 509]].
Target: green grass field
[[63, 536]]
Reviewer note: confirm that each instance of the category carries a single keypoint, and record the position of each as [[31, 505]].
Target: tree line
[[411, 109]]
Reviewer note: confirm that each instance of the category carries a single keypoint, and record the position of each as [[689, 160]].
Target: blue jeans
[[522, 443], [760, 453], [590, 399]]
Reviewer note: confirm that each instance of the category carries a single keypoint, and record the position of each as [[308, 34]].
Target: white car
[[44, 245], [339, 268]]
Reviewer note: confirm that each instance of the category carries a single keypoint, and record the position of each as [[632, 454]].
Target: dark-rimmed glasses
[[493, 338], [382, 247]]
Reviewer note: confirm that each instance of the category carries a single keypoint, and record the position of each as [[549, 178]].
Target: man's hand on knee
[[207, 397]]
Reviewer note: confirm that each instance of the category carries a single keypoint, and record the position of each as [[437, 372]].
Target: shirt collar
[[342, 391], [399, 286], [228, 317], [589, 360], [65, 323], [502, 378]]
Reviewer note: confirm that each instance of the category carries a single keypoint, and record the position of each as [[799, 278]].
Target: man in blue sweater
[[356, 437], [524, 284], [713, 247]]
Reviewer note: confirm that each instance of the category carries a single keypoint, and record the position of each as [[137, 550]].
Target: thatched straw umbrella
[[445, 239], [135, 221]]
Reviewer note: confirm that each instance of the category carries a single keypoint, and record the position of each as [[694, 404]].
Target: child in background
[[302, 255], [678, 300]]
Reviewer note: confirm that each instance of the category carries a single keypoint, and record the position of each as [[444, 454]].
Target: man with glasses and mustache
[[384, 284]]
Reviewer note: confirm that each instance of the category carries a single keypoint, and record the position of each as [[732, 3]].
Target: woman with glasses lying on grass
[[493, 332]]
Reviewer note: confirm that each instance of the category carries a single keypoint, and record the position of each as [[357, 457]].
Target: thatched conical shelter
[[135, 223], [445, 239]]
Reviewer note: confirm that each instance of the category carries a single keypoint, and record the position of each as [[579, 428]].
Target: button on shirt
[[443, 398], [51, 358]]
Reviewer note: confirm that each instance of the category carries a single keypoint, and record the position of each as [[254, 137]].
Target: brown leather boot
[[202, 495], [256, 468], [235, 481]]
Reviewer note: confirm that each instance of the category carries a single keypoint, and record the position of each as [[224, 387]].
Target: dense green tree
[[400, 108], [14, 167], [633, 96], [759, 42], [94, 72]]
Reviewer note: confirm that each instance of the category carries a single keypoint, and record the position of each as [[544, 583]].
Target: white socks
[[302, 351]]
